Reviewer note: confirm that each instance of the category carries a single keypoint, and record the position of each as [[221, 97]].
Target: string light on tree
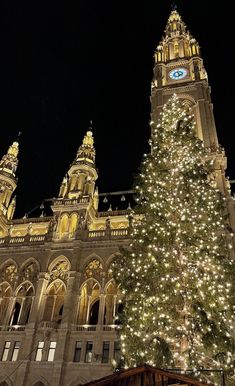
[[176, 275]]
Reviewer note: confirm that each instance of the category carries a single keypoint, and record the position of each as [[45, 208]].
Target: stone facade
[[58, 302]]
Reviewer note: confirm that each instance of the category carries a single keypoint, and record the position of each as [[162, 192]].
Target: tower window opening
[[51, 352], [39, 351], [15, 352], [15, 314], [6, 351]]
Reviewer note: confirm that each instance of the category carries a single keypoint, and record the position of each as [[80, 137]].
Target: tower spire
[[8, 166], [81, 177], [9, 161], [177, 42]]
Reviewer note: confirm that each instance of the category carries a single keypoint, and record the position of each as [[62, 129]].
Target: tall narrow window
[[51, 352], [15, 314], [77, 352], [6, 351], [39, 351], [105, 354], [15, 352], [89, 346], [117, 352]]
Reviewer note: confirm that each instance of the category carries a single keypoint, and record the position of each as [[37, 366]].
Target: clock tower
[[179, 69]]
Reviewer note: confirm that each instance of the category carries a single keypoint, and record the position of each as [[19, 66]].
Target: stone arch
[[94, 268], [59, 268], [8, 262], [56, 260], [89, 294], [3, 382], [9, 271], [54, 303], [23, 303], [41, 381], [89, 258], [112, 296], [30, 269], [189, 102], [27, 284], [64, 224], [5, 300], [186, 99], [110, 259]]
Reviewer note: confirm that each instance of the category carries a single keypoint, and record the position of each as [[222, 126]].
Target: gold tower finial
[[86, 152], [177, 42], [88, 139], [9, 161], [13, 149]]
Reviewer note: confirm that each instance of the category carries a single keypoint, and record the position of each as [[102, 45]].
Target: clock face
[[178, 73]]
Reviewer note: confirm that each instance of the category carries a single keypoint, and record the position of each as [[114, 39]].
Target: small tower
[[8, 183], [77, 203], [81, 177]]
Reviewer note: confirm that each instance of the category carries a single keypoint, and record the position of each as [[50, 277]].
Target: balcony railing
[[38, 239], [12, 328], [97, 327], [48, 325], [84, 235]]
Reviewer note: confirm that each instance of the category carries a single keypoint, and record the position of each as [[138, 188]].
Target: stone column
[[101, 309], [38, 303], [21, 311], [88, 309], [70, 306], [114, 308], [9, 312]]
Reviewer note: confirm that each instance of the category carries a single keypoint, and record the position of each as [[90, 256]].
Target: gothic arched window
[[93, 269], [30, 271], [23, 304], [9, 273], [54, 301], [59, 269], [89, 295]]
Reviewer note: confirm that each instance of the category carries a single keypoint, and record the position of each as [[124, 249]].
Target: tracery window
[[23, 303], [54, 302], [30, 272], [9, 273], [60, 270], [89, 303], [94, 269]]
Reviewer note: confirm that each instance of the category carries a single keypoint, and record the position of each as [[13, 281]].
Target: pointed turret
[[177, 41], [82, 174], [8, 166]]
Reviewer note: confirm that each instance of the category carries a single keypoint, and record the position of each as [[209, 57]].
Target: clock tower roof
[[177, 43]]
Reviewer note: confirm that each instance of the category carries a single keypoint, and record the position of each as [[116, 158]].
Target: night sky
[[66, 63]]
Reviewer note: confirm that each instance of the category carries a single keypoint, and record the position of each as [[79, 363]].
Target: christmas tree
[[175, 275]]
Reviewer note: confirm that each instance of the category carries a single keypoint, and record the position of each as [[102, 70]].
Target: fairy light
[[176, 275]]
